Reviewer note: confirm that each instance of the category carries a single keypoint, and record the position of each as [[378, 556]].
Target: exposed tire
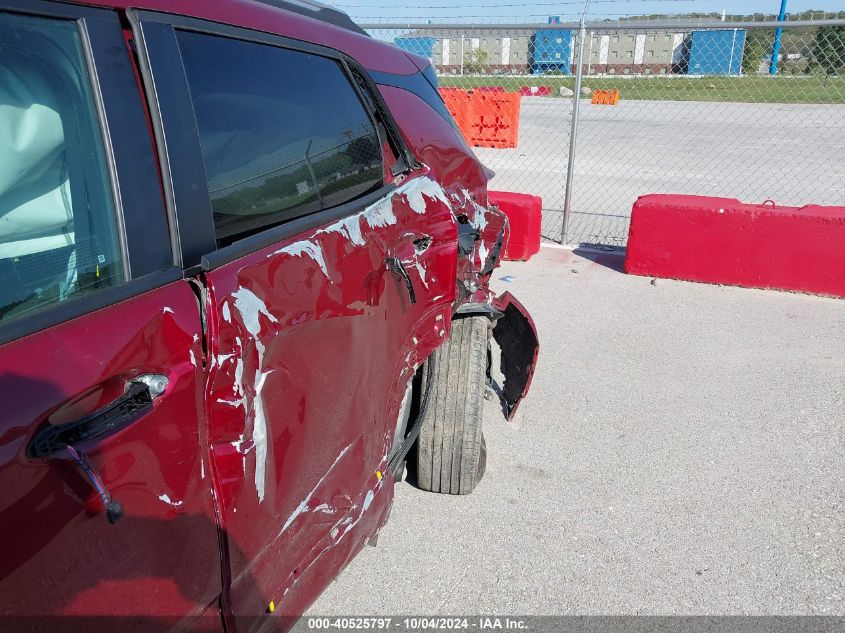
[[451, 452]]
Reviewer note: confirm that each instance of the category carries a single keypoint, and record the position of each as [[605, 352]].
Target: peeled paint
[[417, 189], [380, 213], [166, 498], [251, 308], [306, 247]]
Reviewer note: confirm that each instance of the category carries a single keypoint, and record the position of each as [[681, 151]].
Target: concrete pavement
[[681, 452]]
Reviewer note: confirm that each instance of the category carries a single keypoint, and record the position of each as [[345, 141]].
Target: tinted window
[[58, 237], [283, 132]]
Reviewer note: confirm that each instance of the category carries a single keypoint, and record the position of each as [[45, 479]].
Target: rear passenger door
[[106, 505], [284, 176]]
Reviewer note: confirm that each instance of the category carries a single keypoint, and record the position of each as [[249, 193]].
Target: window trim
[[289, 228], [405, 160], [172, 110], [139, 218]]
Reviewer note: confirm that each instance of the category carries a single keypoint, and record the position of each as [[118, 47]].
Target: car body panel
[[161, 559], [516, 335], [312, 343]]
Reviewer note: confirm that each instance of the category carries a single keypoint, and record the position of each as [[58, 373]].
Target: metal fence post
[[573, 133]]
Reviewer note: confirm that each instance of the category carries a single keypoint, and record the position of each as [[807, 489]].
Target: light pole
[[773, 67]]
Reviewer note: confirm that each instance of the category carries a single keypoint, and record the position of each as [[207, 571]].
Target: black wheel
[[451, 451]]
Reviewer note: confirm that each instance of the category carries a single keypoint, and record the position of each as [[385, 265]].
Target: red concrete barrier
[[525, 214], [536, 91], [721, 240]]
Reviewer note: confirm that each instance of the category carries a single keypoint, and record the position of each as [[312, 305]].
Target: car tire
[[451, 450]]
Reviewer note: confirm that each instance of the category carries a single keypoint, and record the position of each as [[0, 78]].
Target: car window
[[58, 237], [283, 132]]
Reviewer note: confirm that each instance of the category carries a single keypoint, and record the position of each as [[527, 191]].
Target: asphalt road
[[681, 452], [792, 154]]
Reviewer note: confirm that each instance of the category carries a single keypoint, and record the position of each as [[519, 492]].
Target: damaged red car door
[[106, 504], [328, 277]]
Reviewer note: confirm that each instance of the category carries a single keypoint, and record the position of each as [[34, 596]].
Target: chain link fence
[[748, 110]]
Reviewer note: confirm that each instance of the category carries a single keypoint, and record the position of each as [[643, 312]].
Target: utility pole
[[773, 67]]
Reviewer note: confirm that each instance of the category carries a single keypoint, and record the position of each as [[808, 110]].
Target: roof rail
[[318, 11]]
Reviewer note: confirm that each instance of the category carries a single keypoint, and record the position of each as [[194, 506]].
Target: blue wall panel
[[551, 50], [715, 52]]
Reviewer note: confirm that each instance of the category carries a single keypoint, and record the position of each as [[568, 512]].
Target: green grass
[[747, 89]]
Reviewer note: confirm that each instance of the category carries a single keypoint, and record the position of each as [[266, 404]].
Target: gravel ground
[[681, 452]]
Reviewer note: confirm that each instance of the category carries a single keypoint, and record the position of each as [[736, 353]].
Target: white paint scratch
[[193, 358], [421, 272], [309, 248], [166, 310], [303, 505], [259, 434], [348, 227], [419, 187], [238, 446], [167, 500], [250, 307], [480, 219], [240, 402], [380, 214], [482, 252]]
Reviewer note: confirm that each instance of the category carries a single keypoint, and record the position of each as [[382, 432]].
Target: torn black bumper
[[516, 336]]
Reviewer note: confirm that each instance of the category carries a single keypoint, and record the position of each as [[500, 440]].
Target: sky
[[463, 10]]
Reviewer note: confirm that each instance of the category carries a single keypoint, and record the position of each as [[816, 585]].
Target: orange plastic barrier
[[495, 119], [485, 118], [605, 97], [459, 104]]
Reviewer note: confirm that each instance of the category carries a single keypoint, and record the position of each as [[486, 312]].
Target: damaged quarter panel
[[440, 145], [483, 231], [313, 341]]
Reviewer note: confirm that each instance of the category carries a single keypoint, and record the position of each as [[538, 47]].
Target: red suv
[[244, 264]]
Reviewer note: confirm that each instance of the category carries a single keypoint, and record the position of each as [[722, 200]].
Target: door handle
[[61, 438], [396, 266], [137, 400]]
